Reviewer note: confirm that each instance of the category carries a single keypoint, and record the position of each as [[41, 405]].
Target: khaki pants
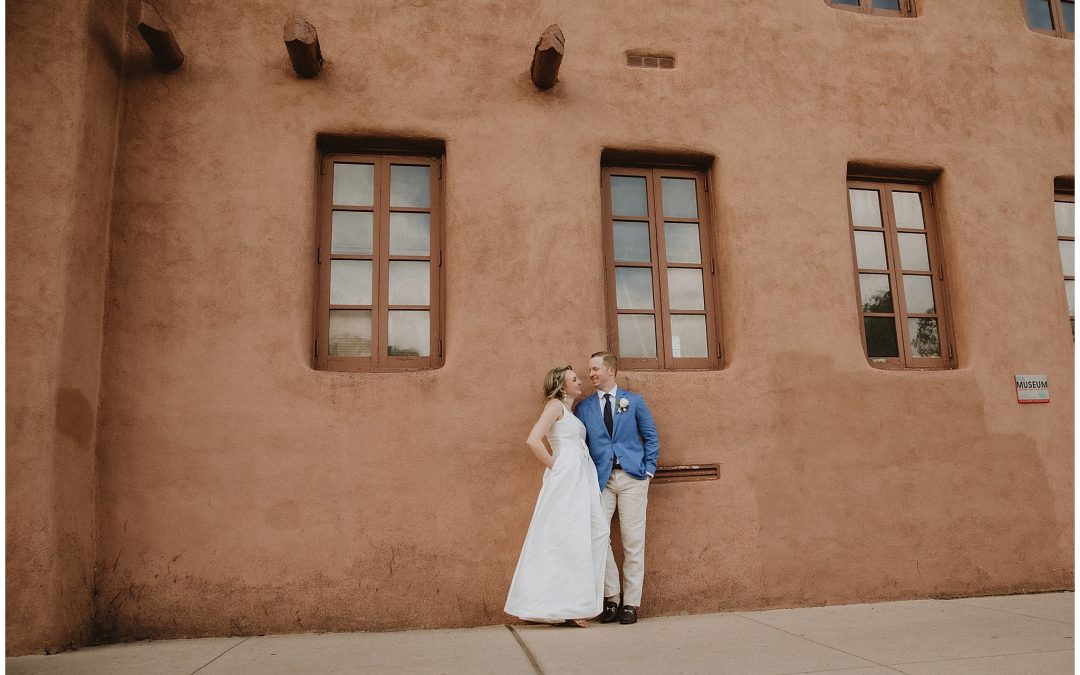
[[631, 496]]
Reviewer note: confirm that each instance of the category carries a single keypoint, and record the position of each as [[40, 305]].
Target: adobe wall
[[242, 492], [63, 98]]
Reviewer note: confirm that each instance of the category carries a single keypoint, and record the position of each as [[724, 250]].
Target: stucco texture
[[243, 492], [63, 97]]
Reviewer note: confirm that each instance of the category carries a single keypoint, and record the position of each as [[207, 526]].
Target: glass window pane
[[628, 196], [907, 207], [913, 254], [410, 234], [633, 288], [680, 197], [410, 186], [631, 242], [410, 283], [350, 282], [351, 232], [637, 336], [1063, 215], [887, 4], [1070, 297], [870, 250], [846, 2], [408, 333], [354, 184], [919, 294], [683, 242], [1065, 249], [876, 293], [1038, 12], [685, 290], [924, 337], [689, 338], [1068, 10], [865, 208], [350, 332], [880, 336]]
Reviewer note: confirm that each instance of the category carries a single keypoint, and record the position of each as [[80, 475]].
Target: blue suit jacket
[[633, 439]]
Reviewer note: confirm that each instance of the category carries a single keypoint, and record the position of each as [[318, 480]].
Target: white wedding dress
[[560, 574]]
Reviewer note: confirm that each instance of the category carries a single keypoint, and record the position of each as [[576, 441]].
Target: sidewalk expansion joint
[[525, 648], [820, 644], [220, 655]]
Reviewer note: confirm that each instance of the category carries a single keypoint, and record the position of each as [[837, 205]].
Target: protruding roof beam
[[159, 38], [303, 44], [547, 57]]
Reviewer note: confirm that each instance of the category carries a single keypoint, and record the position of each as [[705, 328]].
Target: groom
[[624, 446]]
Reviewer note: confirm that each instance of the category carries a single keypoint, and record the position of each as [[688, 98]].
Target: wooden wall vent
[[650, 61], [686, 473]]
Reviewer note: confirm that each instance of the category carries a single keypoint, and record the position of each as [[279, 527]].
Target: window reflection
[[876, 294], [410, 186], [628, 196], [1039, 15], [637, 336], [924, 337], [408, 333], [881, 337]]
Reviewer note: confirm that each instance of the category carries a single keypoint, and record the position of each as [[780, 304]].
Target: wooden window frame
[[907, 8], [1057, 16], [905, 361], [1061, 195], [659, 266], [380, 360]]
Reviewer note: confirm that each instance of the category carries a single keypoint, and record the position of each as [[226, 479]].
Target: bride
[[560, 574]]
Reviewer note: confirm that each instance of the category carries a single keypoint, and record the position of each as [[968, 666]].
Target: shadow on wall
[[856, 507]]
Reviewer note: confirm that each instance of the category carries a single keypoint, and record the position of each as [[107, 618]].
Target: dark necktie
[[608, 421]]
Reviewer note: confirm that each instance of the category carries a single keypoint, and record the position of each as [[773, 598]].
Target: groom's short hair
[[610, 360]]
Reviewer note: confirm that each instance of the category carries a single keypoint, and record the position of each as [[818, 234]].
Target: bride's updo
[[554, 382]]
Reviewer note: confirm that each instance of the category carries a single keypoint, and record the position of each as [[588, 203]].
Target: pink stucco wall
[[63, 103], [243, 492]]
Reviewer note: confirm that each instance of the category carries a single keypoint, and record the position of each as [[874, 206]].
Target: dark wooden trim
[[159, 38]]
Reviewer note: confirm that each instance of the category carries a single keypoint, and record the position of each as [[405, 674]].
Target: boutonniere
[[623, 405]]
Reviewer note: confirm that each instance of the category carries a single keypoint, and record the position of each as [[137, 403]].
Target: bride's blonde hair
[[554, 382]]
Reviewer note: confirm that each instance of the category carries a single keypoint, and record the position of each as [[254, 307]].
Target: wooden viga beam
[[547, 57], [159, 38], [303, 44]]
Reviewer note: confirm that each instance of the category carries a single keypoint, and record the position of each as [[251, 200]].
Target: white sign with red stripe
[[1032, 389]]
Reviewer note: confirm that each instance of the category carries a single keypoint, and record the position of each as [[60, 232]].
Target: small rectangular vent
[[686, 473], [650, 61]]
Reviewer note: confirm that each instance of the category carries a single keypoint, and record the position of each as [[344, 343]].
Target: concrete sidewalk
[[1009, 634]]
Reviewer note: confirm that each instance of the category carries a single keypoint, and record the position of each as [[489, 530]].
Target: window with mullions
[[1063, 215], [379, 261], [900, 275], [1051, 17], [877, 7], [661, 308]]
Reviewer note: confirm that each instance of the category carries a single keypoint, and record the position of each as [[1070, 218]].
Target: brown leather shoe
[[610, 613], [628, 615]]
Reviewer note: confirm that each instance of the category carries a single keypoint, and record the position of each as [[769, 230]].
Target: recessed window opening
[[900, 278], [662, 313], [1051, 17], [379, 263], [876, 7]]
